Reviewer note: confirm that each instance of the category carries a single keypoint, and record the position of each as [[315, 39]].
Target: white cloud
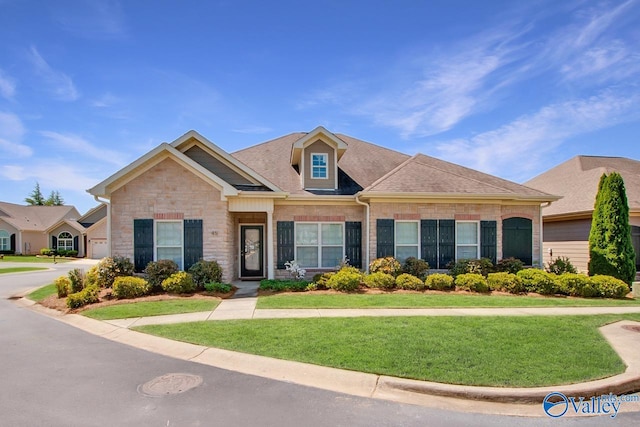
[[11, 133], [66, 177], [77, 144], [7, 86], [105, 101], [58, 83]]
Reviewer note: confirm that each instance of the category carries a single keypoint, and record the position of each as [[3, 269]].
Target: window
[[65, 241], [319, 245], [467, 239], [5, 241], [407, 240], [169, 241], [319, 166]]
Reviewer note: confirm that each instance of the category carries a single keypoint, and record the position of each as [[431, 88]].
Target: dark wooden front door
[[517, 239], [251, 251]]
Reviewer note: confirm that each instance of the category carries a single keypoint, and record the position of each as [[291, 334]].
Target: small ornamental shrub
[[123, 266], [561, 265], [380, 280], [509, 265], [130, 287], [295, 271], [577, 285], [439, 282], [179, 283], [538, 281], [92, 277], [72, 253], [346, 280], [279, 285], [506, 282], [158, 271], [76, 276], [63, 286], [609, 286], [320, 280], [473, 282], [416, 267], [388, 265], [482, 266], [204, 272], [88, 295], [408, 282], [217, 287], [45, 251]]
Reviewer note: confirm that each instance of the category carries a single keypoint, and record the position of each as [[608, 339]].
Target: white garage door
[[98, 249]]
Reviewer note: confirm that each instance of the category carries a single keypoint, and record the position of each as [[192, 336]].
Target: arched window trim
[[5, 240], [65, 241]]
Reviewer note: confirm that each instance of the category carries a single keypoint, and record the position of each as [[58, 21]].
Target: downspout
[[367, 214], [541, 232], [108, 205]]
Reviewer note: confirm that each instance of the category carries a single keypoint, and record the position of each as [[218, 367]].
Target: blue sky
[[511, 88]]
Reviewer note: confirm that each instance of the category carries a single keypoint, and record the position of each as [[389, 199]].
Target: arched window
[[5, 240], [65, 241]]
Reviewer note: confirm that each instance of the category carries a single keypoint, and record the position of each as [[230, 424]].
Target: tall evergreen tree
[[35, 198], [610, 248], [54, 199]]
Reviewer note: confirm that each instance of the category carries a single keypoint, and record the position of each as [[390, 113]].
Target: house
[[315, 198], [27, 229], [567, 222]]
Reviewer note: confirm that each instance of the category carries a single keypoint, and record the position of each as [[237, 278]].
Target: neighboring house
[[314, 197], [27, 229], [567, 222]]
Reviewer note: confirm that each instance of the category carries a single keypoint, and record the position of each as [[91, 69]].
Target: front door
[[251, 251]]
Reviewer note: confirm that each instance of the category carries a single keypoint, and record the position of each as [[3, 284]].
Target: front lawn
[[19, 269], [33, 258], [151, 308], [494, 351], [43, 292], [429, 300]]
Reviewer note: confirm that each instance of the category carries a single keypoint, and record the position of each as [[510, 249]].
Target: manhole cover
[[633, 328], [170, 384]]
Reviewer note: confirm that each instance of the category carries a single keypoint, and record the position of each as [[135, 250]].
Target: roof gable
[[319, 133], [36, 218]]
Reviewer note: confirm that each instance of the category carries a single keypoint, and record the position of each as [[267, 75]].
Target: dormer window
[[319, 166]]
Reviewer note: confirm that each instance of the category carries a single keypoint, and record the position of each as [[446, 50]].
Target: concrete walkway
[[623, 336]]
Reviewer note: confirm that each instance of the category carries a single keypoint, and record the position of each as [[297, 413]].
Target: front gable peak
[[316, 157]]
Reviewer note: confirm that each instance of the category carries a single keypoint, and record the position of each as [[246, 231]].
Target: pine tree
[[610, 248], [35, 198], [54, 199]]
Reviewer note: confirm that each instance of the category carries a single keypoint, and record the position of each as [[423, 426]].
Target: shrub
[[179, 283], [158, 271], [76, 276], [577, 285], [346, 280], [204, 272], [561, 265], [538, 281], [609, 286], [416, 267], [123, 266], [409, 282], [222, 288], [509, 265], [295, 271], [130, 287], [440, 282], [320, 280], [92, 277], [380, 280], [482, 266], [506, 282], [63, 286], [72, 253], [88, 295], [388, 265], [278, 285], [473, 282], [45, 251]]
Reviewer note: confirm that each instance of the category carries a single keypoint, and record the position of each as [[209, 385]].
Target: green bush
[[76, 276], [482, 266], [416, 267], [320, 280], [409, 282], [63, 286], [72, 253], [92, 277], [561, 265], [473, 282], [509, 265], [538, 281], [388, 265], [88, 295], [439, 282], [45, 251], [179, 283], [506, 282], [217, 287], [123, 266], [379, 280], [609, 286], [158, 271], [130, 287], [110, 268], [346, 280], [204, 272], [577, 285], [280, 285]]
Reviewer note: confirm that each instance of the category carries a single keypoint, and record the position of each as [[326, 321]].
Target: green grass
[[494, 351], [43, 292], [151, 308], [32, 258], [428, 300], [19, 269]]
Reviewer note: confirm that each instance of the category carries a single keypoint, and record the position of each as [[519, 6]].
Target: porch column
[[270, 271]]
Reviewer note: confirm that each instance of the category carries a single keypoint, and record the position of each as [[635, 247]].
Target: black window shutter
[[353, 242], [446, 242], [75, 244], [488, 240], [12, 243], [192, 242], [285, 243], [385, 238], [54, 242], [142, 243], [429, 241]]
